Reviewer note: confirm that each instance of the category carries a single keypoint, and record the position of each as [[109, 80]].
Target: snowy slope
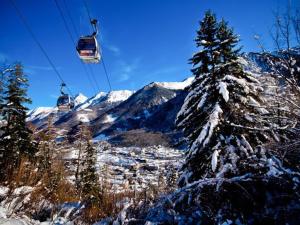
[[79, 99], [140, 108], [82, 103], [92, 101], [40, 113], [176, 85], [120, 110], [129, 168], [118, 96], [103, 97]]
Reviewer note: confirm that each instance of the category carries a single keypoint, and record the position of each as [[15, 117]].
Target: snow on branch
[[202, 101], [260, 129], [223, 91], [214, 160], [208, 128]]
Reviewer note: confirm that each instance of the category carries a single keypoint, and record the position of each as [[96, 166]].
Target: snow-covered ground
[[123, 169], [132, 167], [109, 118], [83, 117]]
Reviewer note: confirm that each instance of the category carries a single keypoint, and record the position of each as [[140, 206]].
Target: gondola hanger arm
[[94, 23]]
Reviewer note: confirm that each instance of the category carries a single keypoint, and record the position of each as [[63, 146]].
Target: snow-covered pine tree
[[1, 92], [82, 137], [89, 179], [46, 146], [15, 141], [219, 115], [2, 123], [230, 175]]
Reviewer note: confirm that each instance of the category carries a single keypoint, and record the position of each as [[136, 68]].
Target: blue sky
[[142, 40]]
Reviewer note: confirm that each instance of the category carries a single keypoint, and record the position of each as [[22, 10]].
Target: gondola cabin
[[65, 103], [88, 49]]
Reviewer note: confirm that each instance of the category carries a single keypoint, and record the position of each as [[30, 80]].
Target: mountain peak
[[117, 96], [80, 98], [175, 85]]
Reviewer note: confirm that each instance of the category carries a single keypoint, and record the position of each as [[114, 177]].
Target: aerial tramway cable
[[92, 83], [106, 74], [27, 26], [102, 60], [77, 34]]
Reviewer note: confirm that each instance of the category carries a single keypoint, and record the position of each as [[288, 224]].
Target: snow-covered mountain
[[79, 99], [152, 108], [40, 113], [175, 85], [105, 98], [113, 113]]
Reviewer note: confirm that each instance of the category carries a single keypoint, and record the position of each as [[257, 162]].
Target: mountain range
[[143, 116]]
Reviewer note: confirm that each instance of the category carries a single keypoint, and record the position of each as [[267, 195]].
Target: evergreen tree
[[220, 115], [46, 146], [206, 37], [89, 179], [230, 174], [15, 140], [2, 123], [1, 92]]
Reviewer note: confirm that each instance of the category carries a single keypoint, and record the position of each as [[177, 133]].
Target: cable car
[[65, 102], [88, 48]]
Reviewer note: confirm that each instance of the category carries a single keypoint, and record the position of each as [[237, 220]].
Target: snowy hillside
[[105, 98], [79, 99], [118, 96], [40, 113], [140, 166], [120, 110], [176, 85], [121, 169]]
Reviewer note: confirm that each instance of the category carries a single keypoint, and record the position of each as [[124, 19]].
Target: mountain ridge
[[112, 114]]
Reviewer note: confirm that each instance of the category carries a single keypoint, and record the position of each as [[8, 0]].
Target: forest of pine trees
[[34, 159]]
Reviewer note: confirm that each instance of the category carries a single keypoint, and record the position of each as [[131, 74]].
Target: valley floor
[[121, 169]]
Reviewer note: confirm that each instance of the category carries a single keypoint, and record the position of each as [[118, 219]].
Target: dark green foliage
[[227, 43], [89, 179], [206, 37], [15, 141], [220, 115]]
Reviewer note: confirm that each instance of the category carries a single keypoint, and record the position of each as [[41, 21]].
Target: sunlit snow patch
[[79, 99], [109, 118], [118, 96], [176, 85], [40, 113], [83, 118]]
